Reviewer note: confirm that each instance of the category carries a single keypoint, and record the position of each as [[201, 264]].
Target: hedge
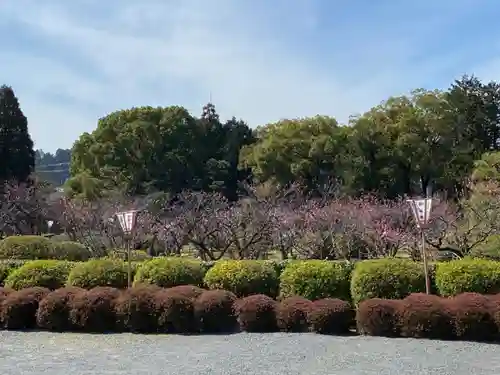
[[72, 251], [6, 267], [468, 275], [26, 247], [99, 272], [243, 277], [51, 274], [170, 271], [151, 309], [386, 278], [316, 279]]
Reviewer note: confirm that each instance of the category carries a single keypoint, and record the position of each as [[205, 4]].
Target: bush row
[[314, 279], [467, 316], [40, 247], [182, 309]]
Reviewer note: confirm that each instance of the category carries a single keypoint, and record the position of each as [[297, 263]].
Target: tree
[[16, 147]]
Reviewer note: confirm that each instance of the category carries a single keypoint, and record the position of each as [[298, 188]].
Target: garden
[[183, 295]]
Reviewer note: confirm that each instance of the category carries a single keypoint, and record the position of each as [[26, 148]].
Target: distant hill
[[53, 168]]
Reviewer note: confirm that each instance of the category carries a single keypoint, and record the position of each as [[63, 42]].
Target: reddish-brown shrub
[[425, 316], [53, 309], [291, 314], [378, 317], [257, 313], [473, 317], [4, 292], [175, 313], [94, 310], [136, 310], [189, 291], [331, 316], [18, 310], [214, 311]]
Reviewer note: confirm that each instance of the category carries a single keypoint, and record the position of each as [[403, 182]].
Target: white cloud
[[109, 55]]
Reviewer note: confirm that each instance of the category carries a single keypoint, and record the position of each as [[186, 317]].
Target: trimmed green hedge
[[26, 247], [468, 275], [168, 272], [51, 274], [243, 277], [71, 251], [99, 272], [386, 278], [316, 279], [6, 267]]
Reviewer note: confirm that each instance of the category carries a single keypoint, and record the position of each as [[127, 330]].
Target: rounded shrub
[[331, 316], [291, 314], [94, 310], [468, 275], [26, 247], [99, 272], [6, 267], [53, 309], [175, 313], [167, 272], [214, 311], [19, 308], [386, 278], [378, 317], [191, 292], [51, 274], [257, 313], [316, 279], [473, 317], [72, 251], [136, 309], [243, 277], [135, 255], [425, 316]]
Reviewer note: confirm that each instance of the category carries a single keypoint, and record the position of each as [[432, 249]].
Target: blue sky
[[71, 62]]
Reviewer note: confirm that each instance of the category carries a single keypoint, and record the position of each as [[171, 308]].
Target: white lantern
[[127, 220], [421, 209]]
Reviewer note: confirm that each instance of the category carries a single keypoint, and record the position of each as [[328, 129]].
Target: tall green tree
[[16, 146]]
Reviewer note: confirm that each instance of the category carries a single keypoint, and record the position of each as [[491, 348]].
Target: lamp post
[[49, 224], [127, 220], [421, 209]]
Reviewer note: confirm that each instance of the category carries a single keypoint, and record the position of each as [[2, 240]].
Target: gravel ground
[[248, 354]]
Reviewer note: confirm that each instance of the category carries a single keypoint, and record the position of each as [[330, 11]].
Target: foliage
[[72, 251], [316, 279], [378, 317], [214, 311], [386, 278], [468, 275], [50, 274], [136, 309], [17, 154], [169, 272], [243, 277], [53, 309], [425, 316], [99, 272], [6, 267], [26, 247], [175, 312], [331, 316], [472, 317], [292, 313], [190, 292], [94, 310], [256, 313], [18, 310]]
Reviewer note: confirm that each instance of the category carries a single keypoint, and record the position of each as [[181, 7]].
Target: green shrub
[[6, 267], [99, 272], [243, 277], [169, 272], [51, 274], [489, 249], [316, 279], [72, 251], [26, 247], [386, 278], [135, 255], [468, 275]]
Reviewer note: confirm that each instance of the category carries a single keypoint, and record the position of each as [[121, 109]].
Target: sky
[[71, 62]]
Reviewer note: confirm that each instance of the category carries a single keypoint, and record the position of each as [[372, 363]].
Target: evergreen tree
[[17, 157]]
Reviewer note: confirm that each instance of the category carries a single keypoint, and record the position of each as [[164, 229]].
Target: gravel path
[[245, 354]]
